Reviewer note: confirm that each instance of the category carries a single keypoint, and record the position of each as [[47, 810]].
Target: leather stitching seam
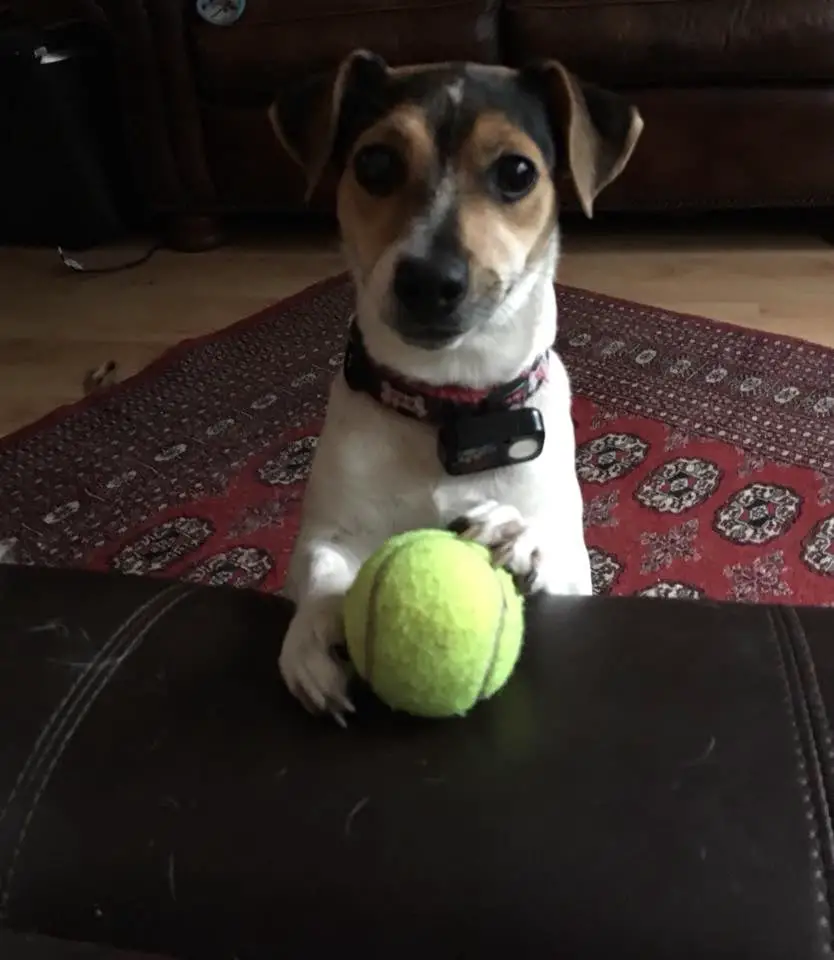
[[68, 717], [801, 689], [58, 719]]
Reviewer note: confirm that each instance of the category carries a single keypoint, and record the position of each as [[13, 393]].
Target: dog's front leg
[[322, 571], [543, 555]]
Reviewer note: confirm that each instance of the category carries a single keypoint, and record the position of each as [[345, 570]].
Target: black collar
[[435, 404]]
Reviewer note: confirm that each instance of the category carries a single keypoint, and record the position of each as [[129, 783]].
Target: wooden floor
[[55, 325]]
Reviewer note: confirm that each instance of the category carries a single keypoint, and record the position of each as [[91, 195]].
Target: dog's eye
[[378, 169], [514, 176]]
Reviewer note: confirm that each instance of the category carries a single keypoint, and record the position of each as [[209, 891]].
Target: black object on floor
[[64, 174]]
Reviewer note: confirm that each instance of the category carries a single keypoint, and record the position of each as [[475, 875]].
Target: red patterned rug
[[706, 454]]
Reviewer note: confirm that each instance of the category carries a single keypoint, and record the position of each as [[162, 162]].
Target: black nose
[[431, 286]]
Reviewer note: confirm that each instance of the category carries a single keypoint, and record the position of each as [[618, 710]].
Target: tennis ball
[[431, 625]]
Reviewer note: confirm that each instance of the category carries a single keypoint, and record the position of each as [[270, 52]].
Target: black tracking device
[[486, 441]]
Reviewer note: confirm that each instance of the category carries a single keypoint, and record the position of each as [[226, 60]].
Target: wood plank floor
[[55, 324]]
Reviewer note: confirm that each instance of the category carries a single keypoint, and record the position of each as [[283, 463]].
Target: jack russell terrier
[[452, 410]]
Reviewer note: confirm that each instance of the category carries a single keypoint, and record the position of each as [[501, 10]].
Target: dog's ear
[[597, 130], [307, 115]]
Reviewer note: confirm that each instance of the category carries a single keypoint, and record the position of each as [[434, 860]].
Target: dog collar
[[436, 405], [478, 430]]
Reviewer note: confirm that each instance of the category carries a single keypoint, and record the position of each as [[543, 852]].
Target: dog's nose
[[431, 286]]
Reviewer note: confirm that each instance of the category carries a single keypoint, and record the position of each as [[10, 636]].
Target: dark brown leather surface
[[724, 148], [275, 38], [687, 42], [14, 946], [654, 783], [262, 177]]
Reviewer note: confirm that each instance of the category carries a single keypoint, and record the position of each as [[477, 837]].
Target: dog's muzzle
[[429, 292]]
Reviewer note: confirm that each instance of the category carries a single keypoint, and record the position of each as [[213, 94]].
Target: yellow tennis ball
[[431, 625]]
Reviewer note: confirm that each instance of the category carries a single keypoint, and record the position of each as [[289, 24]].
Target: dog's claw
[[313, 674]]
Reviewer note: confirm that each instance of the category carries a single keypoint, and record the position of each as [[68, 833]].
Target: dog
[[447, 200]]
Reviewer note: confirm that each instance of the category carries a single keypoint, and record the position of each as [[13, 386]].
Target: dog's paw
[[513, 544], [309, 665]]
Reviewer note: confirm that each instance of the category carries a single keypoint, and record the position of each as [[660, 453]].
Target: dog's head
[[447, 195]]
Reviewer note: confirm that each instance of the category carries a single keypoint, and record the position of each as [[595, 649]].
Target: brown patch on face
[[371, 224], [496, 234]]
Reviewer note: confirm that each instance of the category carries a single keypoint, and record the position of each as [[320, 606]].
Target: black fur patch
[[371, 95]]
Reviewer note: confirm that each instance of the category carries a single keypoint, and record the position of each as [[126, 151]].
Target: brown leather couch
[[655, 783], [738, 97]]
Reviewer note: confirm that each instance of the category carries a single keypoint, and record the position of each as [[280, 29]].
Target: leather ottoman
[[655, 782]]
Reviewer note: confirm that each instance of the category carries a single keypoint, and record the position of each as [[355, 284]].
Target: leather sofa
[[738, 97], [655, 782]]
